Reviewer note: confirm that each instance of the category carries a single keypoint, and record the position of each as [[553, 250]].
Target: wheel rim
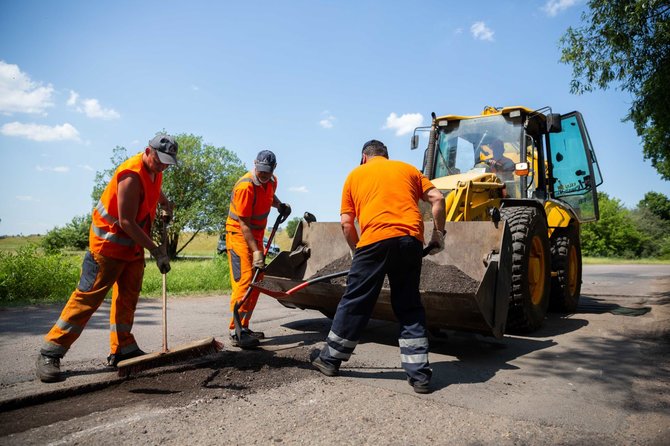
[[536, 271], [572, 271]]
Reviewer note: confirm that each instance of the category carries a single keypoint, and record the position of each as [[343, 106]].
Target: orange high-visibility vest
[[250, 200], [106, 236]]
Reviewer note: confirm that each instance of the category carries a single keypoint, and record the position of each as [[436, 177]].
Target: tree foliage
[[73, 235], [657, 203], [627, 43], [199, 186], [292, 226], [614, 235]]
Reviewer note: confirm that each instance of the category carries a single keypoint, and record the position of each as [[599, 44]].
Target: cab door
[[575, 167]]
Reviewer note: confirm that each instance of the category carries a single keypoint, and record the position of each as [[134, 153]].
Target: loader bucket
[[465, 287]]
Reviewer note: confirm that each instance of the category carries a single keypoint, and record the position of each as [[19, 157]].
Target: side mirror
[[554, 123], [415, 142]]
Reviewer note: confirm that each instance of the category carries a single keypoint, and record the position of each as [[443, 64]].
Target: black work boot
[[253, 334], [47, 369], [245, 341], [321, 365], [115, 358], [419, 386]]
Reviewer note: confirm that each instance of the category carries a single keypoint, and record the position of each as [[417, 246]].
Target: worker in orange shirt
[[250, 203], [383, 195], [119, 234]]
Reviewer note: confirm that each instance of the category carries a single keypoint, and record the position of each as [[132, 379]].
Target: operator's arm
[[245, 226], [349, 230], [129, 192], [436, 200]]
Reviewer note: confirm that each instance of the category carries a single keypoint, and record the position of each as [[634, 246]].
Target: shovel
[[278, 294]]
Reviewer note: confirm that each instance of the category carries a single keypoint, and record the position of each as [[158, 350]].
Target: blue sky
[[309, 80]]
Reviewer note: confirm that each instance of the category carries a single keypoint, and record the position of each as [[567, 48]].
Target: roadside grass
[[29, 276]]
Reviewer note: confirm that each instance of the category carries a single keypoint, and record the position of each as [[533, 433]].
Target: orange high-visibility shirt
[[106, 236], [383, 195], [249, 199]]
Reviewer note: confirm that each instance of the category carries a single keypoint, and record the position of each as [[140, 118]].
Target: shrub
[[29, 276], [73, 235]]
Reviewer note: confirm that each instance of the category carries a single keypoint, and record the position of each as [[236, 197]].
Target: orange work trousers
[[98, 275], [240, 261]]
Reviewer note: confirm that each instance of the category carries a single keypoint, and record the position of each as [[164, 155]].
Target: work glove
[[437, 240], [259, 260], [162, 260], [284, 210]]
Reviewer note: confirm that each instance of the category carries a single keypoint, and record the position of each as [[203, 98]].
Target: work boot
[[48, 369], [245, 342], [254, 334], [322, 366], [115, 358], [419, 386]]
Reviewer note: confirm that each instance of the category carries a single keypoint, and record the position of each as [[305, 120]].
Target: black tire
[[531, 273], [566, 261]]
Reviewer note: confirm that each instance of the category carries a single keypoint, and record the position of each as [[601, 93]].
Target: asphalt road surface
[[600, 376]]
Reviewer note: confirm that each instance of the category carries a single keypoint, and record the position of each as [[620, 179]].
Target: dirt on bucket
[[435, 278]]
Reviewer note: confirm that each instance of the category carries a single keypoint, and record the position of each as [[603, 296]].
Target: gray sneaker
[[48, 369]]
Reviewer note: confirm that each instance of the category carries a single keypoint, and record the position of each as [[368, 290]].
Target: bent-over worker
[[119, 234], [383, 195]]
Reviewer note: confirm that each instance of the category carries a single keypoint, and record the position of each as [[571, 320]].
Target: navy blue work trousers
[[400, 259]]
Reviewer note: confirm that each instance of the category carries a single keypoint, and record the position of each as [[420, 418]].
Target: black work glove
[[162, 259], [284, 210]]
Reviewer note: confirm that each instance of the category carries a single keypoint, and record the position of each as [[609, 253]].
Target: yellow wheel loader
[[518, 183]]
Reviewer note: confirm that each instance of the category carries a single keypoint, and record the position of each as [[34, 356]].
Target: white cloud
[[195, 88], [58, 169], [301, 189], [86, 167], [480, 31], [91, 107], [403, 124], [19, 94], [38, 132], [328, 121], [553, 7], [26, 198]]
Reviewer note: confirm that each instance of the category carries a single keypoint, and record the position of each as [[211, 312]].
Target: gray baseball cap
[[166, 148]]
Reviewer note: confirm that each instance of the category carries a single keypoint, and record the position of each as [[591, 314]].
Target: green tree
[[614, 235], [199, 186], [627, 43], [657, 203], [292, 226]]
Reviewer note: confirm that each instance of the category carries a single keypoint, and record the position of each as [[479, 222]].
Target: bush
[[28, 276], [73, 235]]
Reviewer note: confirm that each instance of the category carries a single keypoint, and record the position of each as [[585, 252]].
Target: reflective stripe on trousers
[[400, 259], [240, 262], [99, 274]]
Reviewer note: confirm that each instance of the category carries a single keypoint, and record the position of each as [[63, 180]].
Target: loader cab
[[536, 155], [468, 146]]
